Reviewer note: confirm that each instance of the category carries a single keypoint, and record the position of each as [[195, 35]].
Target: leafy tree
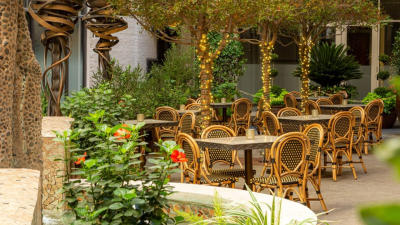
[[312, 17], [269, 16], [330, 65], [189, 23]]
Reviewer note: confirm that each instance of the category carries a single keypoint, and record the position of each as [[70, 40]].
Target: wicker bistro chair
[[288, 172], [290, 101], [295, 94], [336, 99], [169, 114], [240, 120], [310, 105], [271, 125], [192, 171], [190, 101], [289, 127], [373, 123], [315, 133], [193, 106], [216, 156], [187, 123], [325, 101], [358, 133], [340, 142], [257, 121]]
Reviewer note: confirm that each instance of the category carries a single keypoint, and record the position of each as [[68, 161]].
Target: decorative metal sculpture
[[101, 21], [58, 17]]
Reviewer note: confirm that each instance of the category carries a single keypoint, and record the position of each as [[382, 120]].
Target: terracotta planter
[[276, 108], [388, 120]]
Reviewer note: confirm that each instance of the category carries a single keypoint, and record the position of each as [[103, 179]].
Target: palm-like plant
[[330, 65]]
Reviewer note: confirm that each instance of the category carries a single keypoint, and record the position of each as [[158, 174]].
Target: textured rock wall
[[20, 105], [52, 170]]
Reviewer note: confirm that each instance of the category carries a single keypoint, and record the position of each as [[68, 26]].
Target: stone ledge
[[19, 192]]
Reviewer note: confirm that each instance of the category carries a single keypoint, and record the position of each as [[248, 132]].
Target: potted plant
[[389, 100]]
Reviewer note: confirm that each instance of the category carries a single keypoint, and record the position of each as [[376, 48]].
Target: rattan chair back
[[190, 101], [290, 100], [359, 122], [271, 125], [191, 149], [295, 94], [241, 114], [315, 134], [187, 123], [193, 106], [373, 112], [169, 114], [289, 111], [198, 100], [311, 105], [213, 156], [340, 128], [324, 101], [288, 156], [336, 99]]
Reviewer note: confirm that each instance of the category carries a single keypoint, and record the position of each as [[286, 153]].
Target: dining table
[[240, 143], [224, 106], [339, 107], [183, 111], [298, 123]]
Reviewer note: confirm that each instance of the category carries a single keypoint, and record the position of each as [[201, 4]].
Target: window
[[359, 43], [391, 8]]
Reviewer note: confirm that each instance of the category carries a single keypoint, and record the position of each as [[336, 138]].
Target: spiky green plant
[[330, 65]]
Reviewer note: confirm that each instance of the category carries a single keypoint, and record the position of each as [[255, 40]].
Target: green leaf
[[90, 163], [381, 215], [116, 206]]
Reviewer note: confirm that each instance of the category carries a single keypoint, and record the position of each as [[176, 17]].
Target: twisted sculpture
[[101, 21], [58, 17]]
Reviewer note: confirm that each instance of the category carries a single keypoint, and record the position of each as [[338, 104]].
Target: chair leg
[[340, 164], [232, 185], [354, 170], [320, 198], [307, 198]]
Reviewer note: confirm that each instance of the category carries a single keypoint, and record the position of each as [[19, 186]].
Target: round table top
[[151, 123], [237, 143]]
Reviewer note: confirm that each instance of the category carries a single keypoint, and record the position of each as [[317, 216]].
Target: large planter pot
[[275, 108], [388, 120], [398, 105]]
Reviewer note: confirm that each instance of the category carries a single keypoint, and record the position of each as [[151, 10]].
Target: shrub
[[396, 52], [225, 90], [228, 67], [330, 65], [383, 75], [113, 189], [87, 101], [388, 97], [277, 95]]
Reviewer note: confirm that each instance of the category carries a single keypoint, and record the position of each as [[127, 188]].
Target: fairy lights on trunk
[[305, 47], [266, 52]]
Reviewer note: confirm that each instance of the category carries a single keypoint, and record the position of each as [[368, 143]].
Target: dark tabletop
[[307, 118], [341, 107]]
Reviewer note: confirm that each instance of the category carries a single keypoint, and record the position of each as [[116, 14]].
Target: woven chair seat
[[167, 136], [217, 178], [235, 172], [286, 180]]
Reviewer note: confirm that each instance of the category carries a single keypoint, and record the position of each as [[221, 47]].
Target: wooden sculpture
[[101, 21], [58, 17]]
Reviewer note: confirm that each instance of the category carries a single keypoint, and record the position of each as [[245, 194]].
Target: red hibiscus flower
[[122, 133], [81, 159], [178, 156]]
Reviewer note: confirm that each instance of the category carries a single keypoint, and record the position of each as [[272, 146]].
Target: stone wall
[[52, 170], [20, 197]]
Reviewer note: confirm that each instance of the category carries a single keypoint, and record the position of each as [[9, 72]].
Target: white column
[[375, 56], [341, 35]]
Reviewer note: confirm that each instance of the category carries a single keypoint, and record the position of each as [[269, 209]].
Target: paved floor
[[346, 195]]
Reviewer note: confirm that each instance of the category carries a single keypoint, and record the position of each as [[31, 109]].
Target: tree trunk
[[206, 64], [20, 78], [266, 54], [305, 47]]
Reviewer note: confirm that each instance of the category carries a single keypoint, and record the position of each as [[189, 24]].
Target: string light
[[206, 59], [305, 47], [266, 52]]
